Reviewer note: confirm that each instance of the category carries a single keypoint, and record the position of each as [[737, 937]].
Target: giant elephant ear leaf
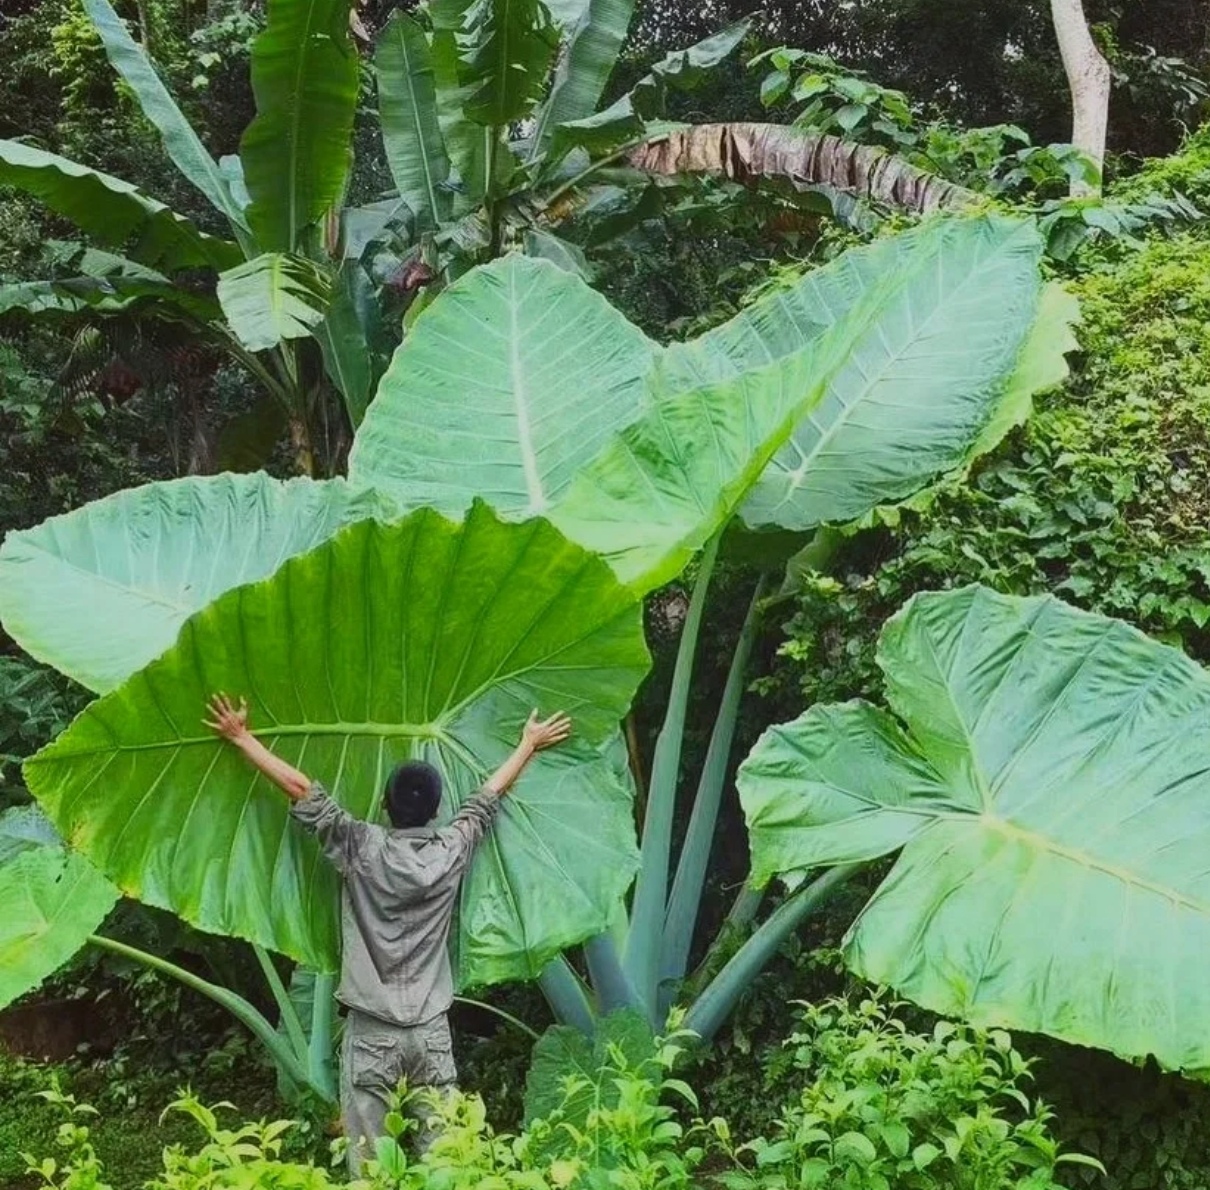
[[53, 900], [912, 402], [1049, 784], [99, 592], [933, 300], [504, 388], [423, 638]]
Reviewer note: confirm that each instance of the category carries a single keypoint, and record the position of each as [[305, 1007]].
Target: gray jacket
[[397, 901]]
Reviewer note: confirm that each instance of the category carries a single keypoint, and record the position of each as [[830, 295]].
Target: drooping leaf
[[504, 388], [423, 638], [52, 901], [806, 159], [99, 592], [593, 33], [505, 51], [564, 1057], [107, 295], [273, 297], [411, 131], [911, 403], [23, 828], [1047, 782], [180, 141], [297, 151], [563, 254], [114, 212]]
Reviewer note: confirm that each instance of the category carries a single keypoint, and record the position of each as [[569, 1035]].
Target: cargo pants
[[375, 1057]]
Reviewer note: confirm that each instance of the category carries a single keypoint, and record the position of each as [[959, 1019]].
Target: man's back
[[399, 892]]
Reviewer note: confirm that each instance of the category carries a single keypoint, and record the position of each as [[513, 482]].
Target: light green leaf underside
[[909, 404], [115, 212], [180, 141], [23, 828], [421, 638], [1052, 796], [99, 592], [297, 151], [504, 388], [273, 297], [670, 480], [52, 899]]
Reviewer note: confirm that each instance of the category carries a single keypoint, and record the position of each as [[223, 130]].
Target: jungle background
[[1101, 498]]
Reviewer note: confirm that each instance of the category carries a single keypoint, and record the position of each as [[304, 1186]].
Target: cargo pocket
[[374, 1063], [436, 1060]]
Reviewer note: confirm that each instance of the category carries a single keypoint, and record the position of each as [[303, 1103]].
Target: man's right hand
[[231, 722], [539, 734]]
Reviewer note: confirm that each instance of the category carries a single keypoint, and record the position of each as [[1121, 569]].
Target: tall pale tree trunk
[[1089, 79]]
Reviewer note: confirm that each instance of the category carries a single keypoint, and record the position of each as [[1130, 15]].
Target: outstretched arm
[[231, 723], [536, 736]]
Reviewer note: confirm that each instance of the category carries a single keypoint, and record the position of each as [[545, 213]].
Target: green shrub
[[886, 1108]]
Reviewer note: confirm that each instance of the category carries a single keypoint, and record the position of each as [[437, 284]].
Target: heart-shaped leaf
[[423, 638], [1049, 784]]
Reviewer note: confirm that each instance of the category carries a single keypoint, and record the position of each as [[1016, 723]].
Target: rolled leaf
[[273, 297], [911, 402], [99, 592], [505, 388], [411, 131], [421, 639], [53, 900], [187, 152], [351, 337], [1047, 780], [297, 151], [114, 212]]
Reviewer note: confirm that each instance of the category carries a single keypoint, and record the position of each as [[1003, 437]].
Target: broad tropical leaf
[[114, 212], [806, 159], [506, 48], [297, 151], [411, 131], [424, 638], [99, 592], [1047, 780], [590, 1063], [671, 480], [593, 33], [504, 388], [912, 401], [53, 899], [180, 141], [273, 297]]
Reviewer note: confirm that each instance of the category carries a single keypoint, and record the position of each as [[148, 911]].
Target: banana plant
[[376, 633]]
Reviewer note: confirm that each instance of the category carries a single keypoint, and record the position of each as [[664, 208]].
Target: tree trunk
[[1089, 78], [744, 151]]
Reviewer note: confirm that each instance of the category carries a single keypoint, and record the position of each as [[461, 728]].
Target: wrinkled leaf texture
[[1046, 776], [422, 638]]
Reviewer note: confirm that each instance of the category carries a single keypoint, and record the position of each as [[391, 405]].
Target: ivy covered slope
[[1101, 499]]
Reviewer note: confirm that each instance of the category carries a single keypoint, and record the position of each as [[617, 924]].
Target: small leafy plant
[[886, 1108]]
